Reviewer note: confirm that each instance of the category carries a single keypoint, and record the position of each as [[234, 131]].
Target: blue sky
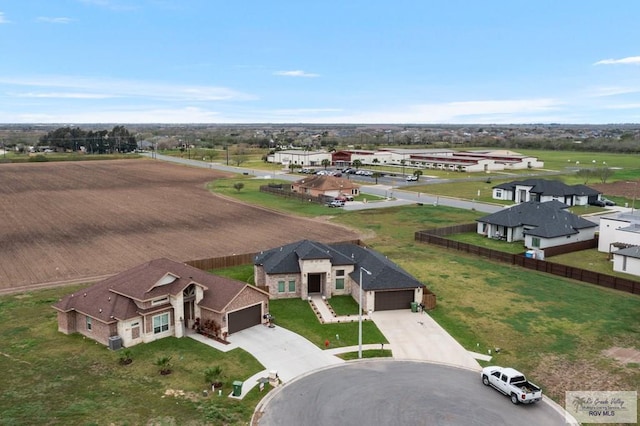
[[348, 61]]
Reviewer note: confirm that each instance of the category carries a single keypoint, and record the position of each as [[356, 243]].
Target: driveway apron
[[416, 336], [279, 349]]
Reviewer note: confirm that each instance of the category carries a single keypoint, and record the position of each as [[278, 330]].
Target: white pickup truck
[[511, 383]]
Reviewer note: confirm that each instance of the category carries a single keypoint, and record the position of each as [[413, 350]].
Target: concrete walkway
[[328, 316]]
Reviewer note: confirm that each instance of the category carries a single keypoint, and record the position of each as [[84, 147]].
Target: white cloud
[[51, 20], [67, 85], [611, 91], [635, 60], [3, 20], [502, 111], [121, 115], [296, 73]]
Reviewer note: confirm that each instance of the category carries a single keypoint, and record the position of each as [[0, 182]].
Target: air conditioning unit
[[115, 343]]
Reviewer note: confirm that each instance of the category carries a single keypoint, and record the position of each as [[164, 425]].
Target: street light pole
[[360, 313]]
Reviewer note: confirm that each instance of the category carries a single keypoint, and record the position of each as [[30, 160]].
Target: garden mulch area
[[69, 221]]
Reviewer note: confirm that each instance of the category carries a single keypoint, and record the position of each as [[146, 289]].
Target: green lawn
[[296, 315], [344, 305], [554, 329]]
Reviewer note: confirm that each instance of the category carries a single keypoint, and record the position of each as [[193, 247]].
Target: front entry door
[[314, 283]]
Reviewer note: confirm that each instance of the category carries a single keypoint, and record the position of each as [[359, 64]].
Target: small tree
[[164, 364], [604, 173], [213, 376], [238, 186], [417, 174], [585, 175], [357, 164], [376, 175], [376, 161], [326, 163]]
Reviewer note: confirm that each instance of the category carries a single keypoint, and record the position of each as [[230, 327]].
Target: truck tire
[[514, 398], [485, 380]]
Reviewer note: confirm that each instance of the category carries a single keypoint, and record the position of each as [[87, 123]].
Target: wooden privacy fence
[[428, 299], [437, 237]]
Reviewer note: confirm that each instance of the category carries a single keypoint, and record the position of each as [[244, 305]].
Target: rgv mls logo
[[602, 406]]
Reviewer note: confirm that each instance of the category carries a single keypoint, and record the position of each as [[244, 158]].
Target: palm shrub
[[213, 375], [164, 364]]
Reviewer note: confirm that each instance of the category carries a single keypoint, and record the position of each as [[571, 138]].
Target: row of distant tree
[[116, 140]]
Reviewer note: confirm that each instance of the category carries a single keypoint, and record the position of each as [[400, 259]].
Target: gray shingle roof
[[629, 252], [550, 187], [385, 275], [285, 259], [546, 220]]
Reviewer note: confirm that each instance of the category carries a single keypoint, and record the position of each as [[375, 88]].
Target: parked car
[[344, 197], [336, 203], [511, 383], [412, 178], [598, 203], [608, 202]]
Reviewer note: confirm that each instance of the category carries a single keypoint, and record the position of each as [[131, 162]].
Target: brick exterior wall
[[272, 282]]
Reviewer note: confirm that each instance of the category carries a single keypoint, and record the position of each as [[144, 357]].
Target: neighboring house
[[157, 299], [619, 230], [330, 186], [304, 268], [545, 190], [627, 260], [540, 225]]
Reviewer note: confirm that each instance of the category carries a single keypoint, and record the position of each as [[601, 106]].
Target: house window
[[280, 286], [339, 283], [339, 272], [292, 286], [90, 323], [535, 242], [498, 194], [161, 323]]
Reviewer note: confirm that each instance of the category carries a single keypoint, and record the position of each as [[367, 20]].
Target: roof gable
[[286, 259], [115, 298], [546, 187], [547, 220]]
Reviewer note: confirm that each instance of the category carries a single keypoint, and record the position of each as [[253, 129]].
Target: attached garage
[[393, 299], [245, 318]]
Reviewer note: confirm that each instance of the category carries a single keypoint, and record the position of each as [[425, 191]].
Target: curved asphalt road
[[388, 188], [387, 392]]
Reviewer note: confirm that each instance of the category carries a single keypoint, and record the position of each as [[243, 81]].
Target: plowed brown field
[[79, 220]]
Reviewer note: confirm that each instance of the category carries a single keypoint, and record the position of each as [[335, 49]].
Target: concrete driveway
[[416, 336], [290, 354]]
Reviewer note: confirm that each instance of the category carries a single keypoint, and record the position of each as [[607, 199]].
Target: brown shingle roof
[[326, 183], [113, 298]]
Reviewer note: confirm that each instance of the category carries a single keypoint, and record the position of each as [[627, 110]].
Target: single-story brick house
[[330, 186], [545, 190], [158, 299], [539, 225], [306, 267]]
